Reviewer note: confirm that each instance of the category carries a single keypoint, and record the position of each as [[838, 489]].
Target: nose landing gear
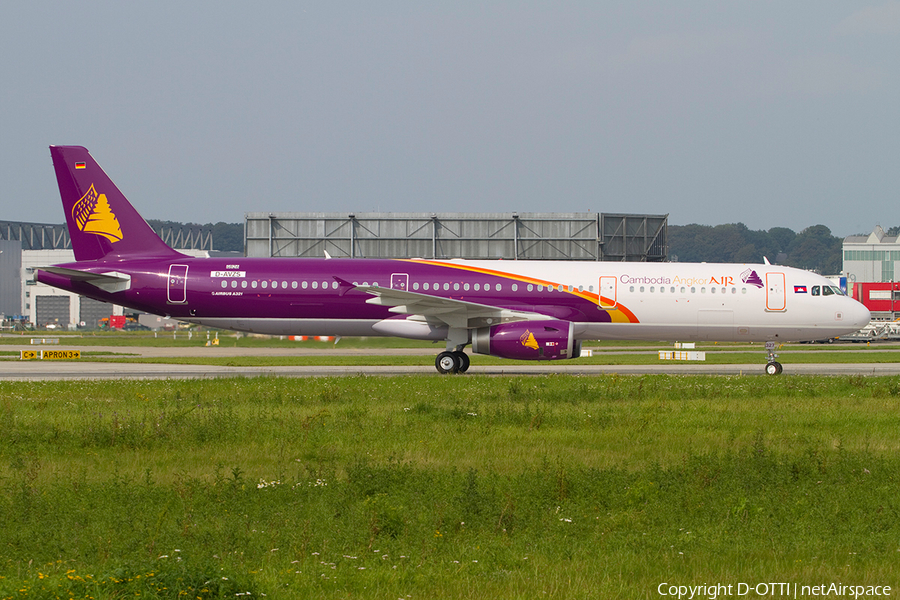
[[773, 367]]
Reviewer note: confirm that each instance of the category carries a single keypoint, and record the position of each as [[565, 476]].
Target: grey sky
[[767, 113]]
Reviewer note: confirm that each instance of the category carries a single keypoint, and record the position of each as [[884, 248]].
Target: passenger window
[[540, 288], [498, 287], [425, 286], [224, 283], [253, 285], [416, 286], [293, 285], [631, 289], [446, 287], [465, 287], [642, 289], [234, 283], [683, 289], [693, 290], [455, 287], [814, 291], [477, 287], [515, 287], [315, 285], [652, 289], [712, 290], [244, 284], [559, 288], [530, 287], [265, 284], [304, 285]]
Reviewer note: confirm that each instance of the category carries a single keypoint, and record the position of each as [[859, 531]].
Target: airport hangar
[[506, 236]]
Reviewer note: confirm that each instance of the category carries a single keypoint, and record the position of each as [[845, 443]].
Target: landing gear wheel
[[774, 368], [463, 359], [447, 362]]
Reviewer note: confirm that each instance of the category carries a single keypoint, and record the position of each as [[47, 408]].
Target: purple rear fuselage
[[258, 288]]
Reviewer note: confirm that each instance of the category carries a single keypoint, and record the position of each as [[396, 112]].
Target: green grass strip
[[422, 486]]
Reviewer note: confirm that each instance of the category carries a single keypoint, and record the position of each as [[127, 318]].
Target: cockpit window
[[837, 290], [827, 290], [815, 291]]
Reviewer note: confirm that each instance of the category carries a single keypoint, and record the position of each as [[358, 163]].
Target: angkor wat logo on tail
[[92, 214], [751, 278]]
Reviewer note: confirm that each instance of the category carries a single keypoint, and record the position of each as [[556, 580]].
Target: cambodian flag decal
[[799, 289]]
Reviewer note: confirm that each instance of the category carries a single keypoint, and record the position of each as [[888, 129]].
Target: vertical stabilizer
[[102, 223]]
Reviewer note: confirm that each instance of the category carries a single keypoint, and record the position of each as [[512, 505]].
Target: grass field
[[452, 487]]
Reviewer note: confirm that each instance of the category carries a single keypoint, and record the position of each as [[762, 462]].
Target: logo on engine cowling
[[527, 340]]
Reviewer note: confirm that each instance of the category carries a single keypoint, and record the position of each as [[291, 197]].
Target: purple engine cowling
[[528, 340]]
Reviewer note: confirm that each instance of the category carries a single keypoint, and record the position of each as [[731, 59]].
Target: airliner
[[525, 310]]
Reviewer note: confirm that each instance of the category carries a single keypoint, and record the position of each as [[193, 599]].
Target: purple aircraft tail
[[102, 223]]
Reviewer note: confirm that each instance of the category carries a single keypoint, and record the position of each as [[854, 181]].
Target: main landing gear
[[773, 367], [452, 362]]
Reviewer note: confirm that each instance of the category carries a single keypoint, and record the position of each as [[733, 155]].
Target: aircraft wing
[[110, 282], [455, 313]]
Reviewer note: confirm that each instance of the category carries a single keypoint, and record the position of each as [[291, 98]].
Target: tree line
[[227, 237], [814, 248]]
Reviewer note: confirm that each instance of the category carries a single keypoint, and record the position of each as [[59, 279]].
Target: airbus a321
[[515, 309]]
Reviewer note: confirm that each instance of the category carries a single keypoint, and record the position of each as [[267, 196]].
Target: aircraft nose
[[858, 315]]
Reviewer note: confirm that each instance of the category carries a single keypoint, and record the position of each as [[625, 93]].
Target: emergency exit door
[[607, 299], [177, 284], [775, 292]]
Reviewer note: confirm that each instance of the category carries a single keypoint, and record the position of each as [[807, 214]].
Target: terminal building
[[872, 267]]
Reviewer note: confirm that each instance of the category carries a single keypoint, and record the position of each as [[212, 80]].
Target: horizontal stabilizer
[[108, 282]]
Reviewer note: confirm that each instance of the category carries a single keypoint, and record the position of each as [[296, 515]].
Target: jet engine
[[528, 340]]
